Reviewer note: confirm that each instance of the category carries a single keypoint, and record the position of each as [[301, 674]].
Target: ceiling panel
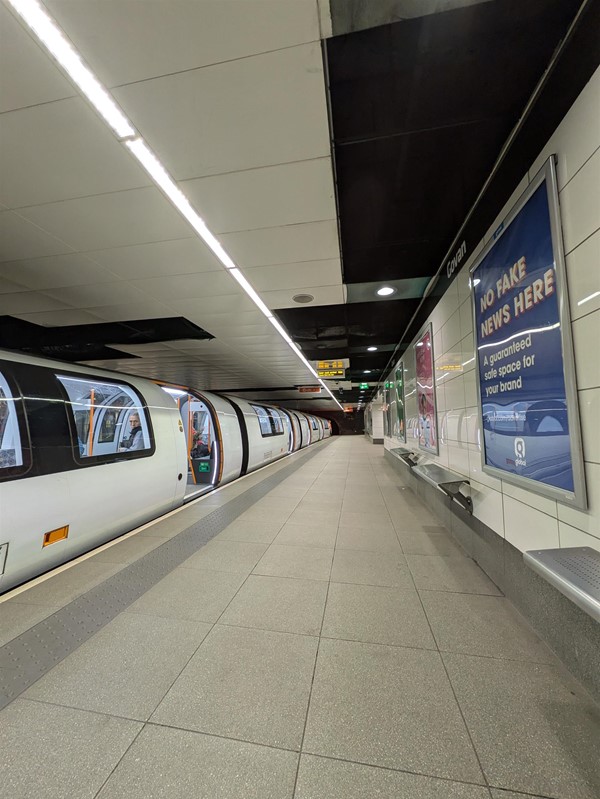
[[174, 257], [99, 294], [55, 271], [231, 304], [286, 194], [148, 309], [84, 154], [29, 302], [63, 318], [27, 76], [21, 238], [296, 276], [237, 115], [188, 287], [110, 220], [146, 39], [313, 241]]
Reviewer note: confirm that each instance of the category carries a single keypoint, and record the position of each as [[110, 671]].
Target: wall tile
[[487, 506], [587, 521], [475, 470], [589, 409], [579, 203], [472, 424], [571, 537], [586, 335], [466, 318], [576, 137], [462, 281], [527, 528], [458, 459], [543, 504], [470, 386], [455, 393], [451, 334], [583, 276]]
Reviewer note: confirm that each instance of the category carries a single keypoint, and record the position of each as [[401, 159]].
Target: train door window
[[201, 443], [12, 457], [108, 418], [313, 423]]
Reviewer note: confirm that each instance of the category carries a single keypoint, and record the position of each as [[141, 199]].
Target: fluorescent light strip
[[55, 41], [69, 59], [326, 387]]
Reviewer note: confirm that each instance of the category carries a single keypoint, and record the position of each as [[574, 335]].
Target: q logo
[[519, 447]]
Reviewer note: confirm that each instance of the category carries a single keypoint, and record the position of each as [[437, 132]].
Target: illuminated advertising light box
[[524, 353], [399, 423], [426, 405]]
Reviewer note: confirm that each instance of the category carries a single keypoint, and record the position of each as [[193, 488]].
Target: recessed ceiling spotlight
[[372, 349], [303, 298], [367, 372], [385, 291]]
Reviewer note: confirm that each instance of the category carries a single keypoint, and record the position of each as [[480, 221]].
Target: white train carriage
[[86, 455]]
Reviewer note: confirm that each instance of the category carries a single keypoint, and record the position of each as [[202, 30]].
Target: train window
[[11, 451], [313, 423], [109, 418], [276, 421], [264, 420]]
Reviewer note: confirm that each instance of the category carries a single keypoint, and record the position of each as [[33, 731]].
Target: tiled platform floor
[[332, 643]]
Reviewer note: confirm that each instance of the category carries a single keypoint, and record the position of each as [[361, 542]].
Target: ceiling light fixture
[[56, 43], [386, 291], [372, 349], [367, 372], [302, 299]]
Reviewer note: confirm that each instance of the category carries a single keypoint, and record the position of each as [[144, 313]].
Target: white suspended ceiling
[[230, 95]]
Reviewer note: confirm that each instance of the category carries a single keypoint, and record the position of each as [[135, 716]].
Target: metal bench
[[447, 481], [574, 571]]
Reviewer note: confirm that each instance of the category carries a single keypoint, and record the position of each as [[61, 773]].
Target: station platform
[[308, 632]]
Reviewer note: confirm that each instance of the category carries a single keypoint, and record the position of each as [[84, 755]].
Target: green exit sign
[[204, 466], [364, 385]]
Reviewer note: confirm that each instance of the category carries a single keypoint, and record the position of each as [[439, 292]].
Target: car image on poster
[[526, 384]]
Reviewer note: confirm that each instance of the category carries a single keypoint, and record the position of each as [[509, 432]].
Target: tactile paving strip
[[33, 653]]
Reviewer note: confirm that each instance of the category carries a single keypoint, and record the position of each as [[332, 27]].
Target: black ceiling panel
[[420, 110], [89, 342]]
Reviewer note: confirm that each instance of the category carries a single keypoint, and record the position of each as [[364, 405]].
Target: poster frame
[[576, 498], [400, 367], [427, 328]]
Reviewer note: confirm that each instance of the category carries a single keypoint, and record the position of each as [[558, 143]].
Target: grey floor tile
[[309, 534], [16, 618], [534, 728], [315, 516], [371, 540], [307, 563], [371, 568], [66, 586], [366, 521], [248, 684], [388, 706], [264, 515], [438, 573], [498, 793], [129, 550], [322, 778], [57, 752], [429, 543], [178, 764], [254, 532], [278, 603], [377, 615], [193, 594], [125, 669], [472, 624], [238, 557]]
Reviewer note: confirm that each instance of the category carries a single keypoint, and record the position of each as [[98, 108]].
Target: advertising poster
[[524, 352], [426, 409], [399, 424]]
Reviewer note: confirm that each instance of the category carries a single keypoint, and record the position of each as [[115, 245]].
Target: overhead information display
[[524, 357], [336, 368]]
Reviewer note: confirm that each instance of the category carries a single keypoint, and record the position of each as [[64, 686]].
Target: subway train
[[87, 455]]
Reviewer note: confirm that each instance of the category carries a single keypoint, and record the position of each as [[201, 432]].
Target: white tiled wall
[[523, 517]]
